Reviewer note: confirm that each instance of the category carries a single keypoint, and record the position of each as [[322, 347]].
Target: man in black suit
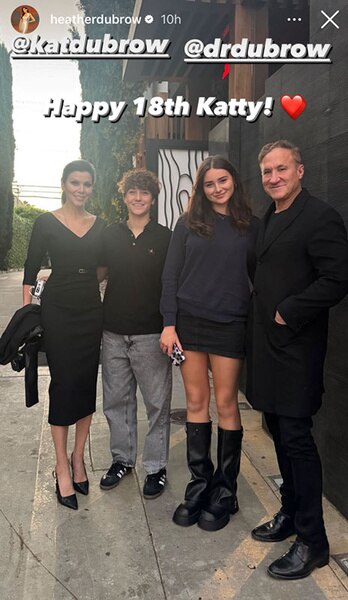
[[302, 270]]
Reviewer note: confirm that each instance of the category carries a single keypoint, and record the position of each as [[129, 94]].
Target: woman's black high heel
[[82, 486], [68, 501]]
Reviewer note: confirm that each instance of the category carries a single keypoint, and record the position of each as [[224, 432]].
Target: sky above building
[[43, 145]]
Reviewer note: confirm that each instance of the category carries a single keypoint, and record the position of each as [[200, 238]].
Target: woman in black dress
[[205, 300], [71, 313]]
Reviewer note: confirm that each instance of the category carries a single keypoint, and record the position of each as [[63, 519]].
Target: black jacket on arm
[[20, 344], [302, 270]]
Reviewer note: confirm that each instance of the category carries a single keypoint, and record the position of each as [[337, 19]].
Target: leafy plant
[[6, 156], [109, 146], [23, 220]]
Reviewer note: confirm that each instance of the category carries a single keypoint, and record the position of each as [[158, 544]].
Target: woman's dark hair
[[83, 166], [200, 215], [26, 8]]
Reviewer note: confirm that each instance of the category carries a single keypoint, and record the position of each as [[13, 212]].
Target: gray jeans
[[128, 361]]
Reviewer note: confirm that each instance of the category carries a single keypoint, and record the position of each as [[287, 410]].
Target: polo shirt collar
[[149, 226]]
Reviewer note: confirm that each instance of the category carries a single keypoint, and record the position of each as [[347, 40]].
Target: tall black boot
[[201, 468], [222, 499]]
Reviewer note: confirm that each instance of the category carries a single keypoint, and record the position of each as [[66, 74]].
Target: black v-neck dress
[[71, 313]]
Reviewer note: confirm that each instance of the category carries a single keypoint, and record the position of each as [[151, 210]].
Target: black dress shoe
[[68, 501], [299, 561], [82, 486], [276, 530]]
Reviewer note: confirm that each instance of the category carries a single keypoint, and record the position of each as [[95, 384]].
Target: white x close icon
[[329, 19]]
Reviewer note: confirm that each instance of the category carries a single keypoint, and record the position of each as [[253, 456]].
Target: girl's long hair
[[200, 215]]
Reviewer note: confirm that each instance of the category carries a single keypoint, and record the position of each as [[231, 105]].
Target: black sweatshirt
[[209, 277]]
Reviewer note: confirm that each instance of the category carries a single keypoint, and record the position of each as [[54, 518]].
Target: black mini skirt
[[201, 335]]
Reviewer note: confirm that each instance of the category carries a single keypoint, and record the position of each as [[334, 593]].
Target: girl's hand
[[168, 339]]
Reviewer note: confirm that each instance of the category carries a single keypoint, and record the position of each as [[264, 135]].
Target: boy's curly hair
[[141, 179]]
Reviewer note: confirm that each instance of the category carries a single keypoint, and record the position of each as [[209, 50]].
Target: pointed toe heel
[[82, 487], [68, 501]]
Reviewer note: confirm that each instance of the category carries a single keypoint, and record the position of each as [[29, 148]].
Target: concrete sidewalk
[[118, 545]]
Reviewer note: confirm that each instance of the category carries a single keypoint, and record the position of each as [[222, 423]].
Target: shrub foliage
[[109, 146], [23, 219], [7, 146]]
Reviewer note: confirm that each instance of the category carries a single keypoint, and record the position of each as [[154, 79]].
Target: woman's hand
[[168, 339]]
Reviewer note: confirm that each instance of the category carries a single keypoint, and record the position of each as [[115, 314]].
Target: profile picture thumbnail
[[25, 18]]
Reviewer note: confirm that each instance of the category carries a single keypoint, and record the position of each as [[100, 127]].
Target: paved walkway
[[119, 546]]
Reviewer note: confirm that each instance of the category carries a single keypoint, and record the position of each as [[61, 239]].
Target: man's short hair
[[280, 144], [140, 179]]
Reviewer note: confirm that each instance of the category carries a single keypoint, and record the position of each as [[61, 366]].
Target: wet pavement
[[118, 545]]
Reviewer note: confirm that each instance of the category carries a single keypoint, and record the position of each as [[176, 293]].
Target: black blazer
[[302, 270]]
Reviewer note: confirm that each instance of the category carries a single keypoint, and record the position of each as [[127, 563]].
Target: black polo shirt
[[133, 292]]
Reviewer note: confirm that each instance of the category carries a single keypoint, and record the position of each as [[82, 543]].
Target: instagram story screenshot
[[173, 278]]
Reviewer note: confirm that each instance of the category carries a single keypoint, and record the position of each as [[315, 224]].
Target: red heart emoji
[[293, 106]]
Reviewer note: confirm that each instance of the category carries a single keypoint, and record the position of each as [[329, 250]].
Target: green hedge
[[23, 219], [109, 146], [20, 241], [6, 156]]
